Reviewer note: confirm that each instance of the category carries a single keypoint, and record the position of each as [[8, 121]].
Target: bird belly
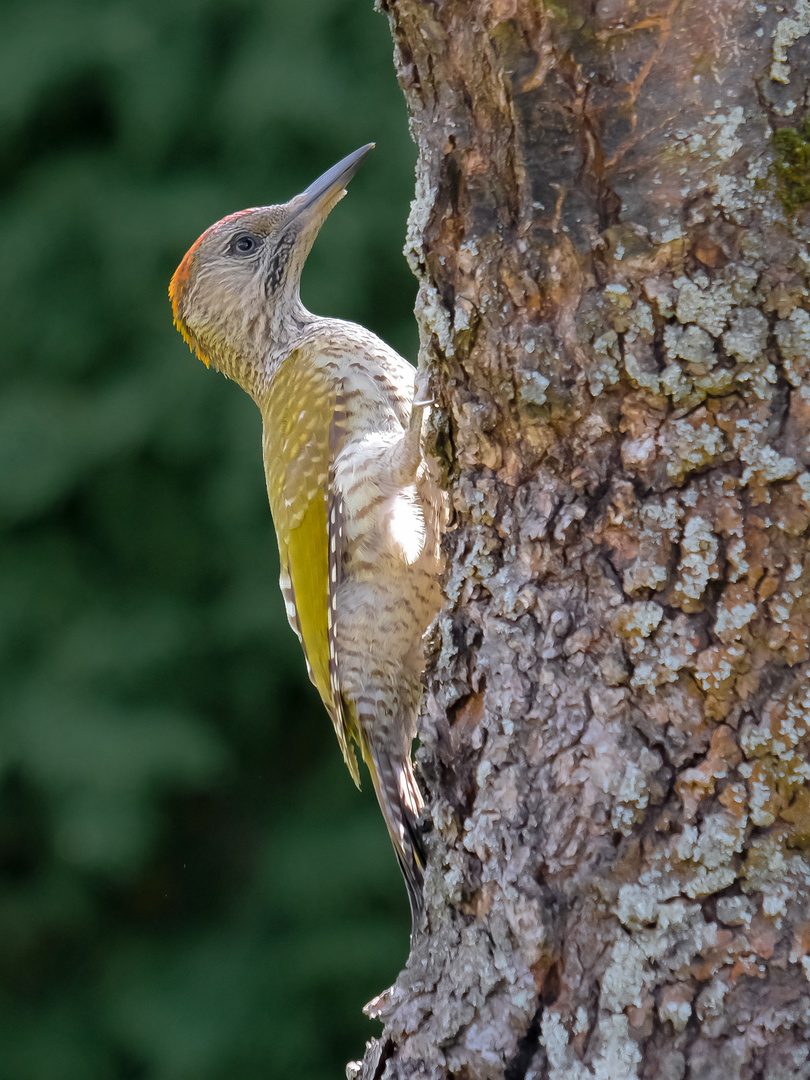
[[388, 593]]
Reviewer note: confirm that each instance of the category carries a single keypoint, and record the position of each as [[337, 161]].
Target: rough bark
[[612, 255]]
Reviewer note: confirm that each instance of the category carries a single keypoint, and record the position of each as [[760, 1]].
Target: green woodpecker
[[357, 516]]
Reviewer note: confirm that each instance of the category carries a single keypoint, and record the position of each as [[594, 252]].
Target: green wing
[[303, 432]]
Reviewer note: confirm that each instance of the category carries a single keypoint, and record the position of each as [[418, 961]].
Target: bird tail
[[401, 804]]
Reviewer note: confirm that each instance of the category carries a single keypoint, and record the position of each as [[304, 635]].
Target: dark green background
[[191, 888]]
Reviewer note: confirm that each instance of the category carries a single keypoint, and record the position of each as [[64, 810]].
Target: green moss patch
[[792, 146]]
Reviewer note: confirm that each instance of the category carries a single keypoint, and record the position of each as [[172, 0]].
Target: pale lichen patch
[[626, 975], [692, 344], [661, 292], [709, 303], [762, 806], [788, 31], [641, 320], [726, 141], [736, 551], [698, 563], [630, 790], [649, 570], [769, 865], [780, 728], [716, 667], [658, 655], [637, 905], [793, 336], [683, 391], [709, 308], [436, 317], [710, 1000], [657, 528], [532, 388], [711, 848], [563, 1062], [638, 375], [604, 370], [736, 910], [693, 442], [747, 336], [637, 621], [735, 611], [763, 463], [675, 1006], [775, 903], [756, 379], [618, 296]]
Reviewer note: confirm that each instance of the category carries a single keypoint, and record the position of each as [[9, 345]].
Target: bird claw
[[421, 389]]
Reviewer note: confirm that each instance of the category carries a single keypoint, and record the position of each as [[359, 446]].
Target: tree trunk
[[610, 240]]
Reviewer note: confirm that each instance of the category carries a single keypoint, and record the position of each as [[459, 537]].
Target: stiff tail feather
[[401, 804]]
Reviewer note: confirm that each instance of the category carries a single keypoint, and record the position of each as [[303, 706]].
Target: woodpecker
[[356, 513]]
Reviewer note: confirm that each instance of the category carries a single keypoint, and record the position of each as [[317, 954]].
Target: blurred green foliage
[[191, 887]]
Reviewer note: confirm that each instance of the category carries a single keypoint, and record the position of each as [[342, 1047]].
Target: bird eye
[[245, 244]]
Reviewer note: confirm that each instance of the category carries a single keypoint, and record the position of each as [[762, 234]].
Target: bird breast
[[385, 523]]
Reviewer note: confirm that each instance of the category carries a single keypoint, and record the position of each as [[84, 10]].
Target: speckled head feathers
[[181, 275], [238, 282]]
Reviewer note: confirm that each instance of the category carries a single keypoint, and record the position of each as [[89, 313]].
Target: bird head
[[235, 294]]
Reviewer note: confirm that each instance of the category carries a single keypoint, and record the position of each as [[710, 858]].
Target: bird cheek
[[191, 336]]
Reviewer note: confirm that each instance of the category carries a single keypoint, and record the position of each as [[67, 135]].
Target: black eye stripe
[[275, 269]]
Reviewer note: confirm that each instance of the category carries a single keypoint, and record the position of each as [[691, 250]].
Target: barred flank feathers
[[401, 804]]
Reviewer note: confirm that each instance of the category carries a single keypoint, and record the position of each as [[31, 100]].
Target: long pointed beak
[[331, 184]]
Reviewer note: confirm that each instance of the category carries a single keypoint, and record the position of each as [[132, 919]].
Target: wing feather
[[304, 430]]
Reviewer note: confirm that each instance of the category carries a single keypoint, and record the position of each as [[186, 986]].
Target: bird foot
[[421, 389]]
